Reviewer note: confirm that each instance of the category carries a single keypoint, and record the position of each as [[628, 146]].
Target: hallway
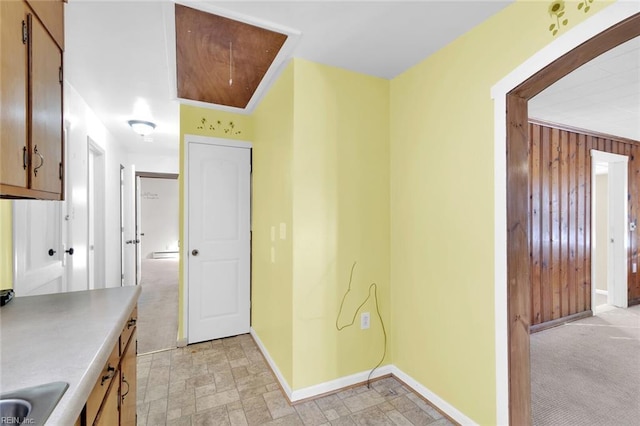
[[158, 305]]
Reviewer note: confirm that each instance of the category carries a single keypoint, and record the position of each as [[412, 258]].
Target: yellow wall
[[321, 168], [6, 245], [442, 205], [204, 122], [272, 278], [340, 215]]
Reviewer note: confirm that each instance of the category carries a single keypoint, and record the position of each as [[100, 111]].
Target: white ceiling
[[603, 95], [119, 55]]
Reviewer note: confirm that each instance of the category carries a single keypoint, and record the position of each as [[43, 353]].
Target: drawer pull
[[110, 372]]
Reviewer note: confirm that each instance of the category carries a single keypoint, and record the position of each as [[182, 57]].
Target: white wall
[[152, 163], [81, 123], [159, 215]]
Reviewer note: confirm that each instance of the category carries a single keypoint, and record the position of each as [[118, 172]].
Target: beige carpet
[[158, 305], [588, 372]]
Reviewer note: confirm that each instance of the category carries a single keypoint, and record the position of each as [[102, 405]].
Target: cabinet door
[[46, 110], [129, 383], [13, 95], [109, 414], [51, 14]]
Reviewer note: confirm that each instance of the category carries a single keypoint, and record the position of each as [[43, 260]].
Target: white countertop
[[64, 337]]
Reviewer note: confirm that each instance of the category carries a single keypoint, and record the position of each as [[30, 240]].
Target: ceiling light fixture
[[141, 127]]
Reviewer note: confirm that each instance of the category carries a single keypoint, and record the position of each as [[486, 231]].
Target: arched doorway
[[512, 332]]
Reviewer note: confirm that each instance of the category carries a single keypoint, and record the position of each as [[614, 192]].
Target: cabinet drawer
[[102, 384], [128, 328]]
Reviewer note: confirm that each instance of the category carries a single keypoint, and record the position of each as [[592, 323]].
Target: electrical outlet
[[364, 320]]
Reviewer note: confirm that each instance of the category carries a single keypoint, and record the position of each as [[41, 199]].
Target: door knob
[[70, 251], [195, 252], [51, 252]]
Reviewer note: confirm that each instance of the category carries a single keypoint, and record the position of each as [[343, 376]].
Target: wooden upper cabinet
[[51, 14], [31, 138], [46, 110], [13, 95]]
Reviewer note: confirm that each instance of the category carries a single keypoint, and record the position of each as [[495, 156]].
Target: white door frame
[[601, 21], [122, 216], [618, 226], [184, 245], [136, 234], [96, 177]]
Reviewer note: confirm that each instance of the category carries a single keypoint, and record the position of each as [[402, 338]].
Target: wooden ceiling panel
[[219, 60]]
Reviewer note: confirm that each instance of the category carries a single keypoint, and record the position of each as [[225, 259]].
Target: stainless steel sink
[[31, 406], [14, 408]]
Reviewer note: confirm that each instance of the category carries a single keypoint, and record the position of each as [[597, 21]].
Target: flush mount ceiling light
[[141, 127]]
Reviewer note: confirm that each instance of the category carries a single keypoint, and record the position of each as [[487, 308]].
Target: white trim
[[321, 388], [339, 383], [188, 138], [602, 292], [283, 382], [279, 62], [432, 397], [593, 26], [217, 141], [608, 157], [98, 173], [618, 294], [354, 379]]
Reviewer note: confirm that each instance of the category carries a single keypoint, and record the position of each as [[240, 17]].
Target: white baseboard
[[321, 388], [433, 398], [337, 384], [272, 364], [603, 292], [344, 382]]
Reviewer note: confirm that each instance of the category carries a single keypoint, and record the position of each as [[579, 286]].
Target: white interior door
[[38, 248], [218, 250]]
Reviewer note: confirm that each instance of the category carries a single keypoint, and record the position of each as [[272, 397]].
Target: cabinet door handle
[[132, 322], [25, 33], [35, 151], [124, 381], [70, 251], [24, 158], [51, 252]]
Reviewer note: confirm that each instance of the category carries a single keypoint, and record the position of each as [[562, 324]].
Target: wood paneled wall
[[560, 209]]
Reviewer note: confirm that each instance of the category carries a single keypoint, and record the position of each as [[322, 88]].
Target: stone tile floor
[[227, 382]]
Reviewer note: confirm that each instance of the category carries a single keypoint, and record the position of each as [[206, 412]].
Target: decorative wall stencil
[[557, 11], [228, 128], [584, 5]]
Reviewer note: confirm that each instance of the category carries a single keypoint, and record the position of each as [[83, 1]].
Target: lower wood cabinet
[[113, 398], [128, 383], [109, 414]]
